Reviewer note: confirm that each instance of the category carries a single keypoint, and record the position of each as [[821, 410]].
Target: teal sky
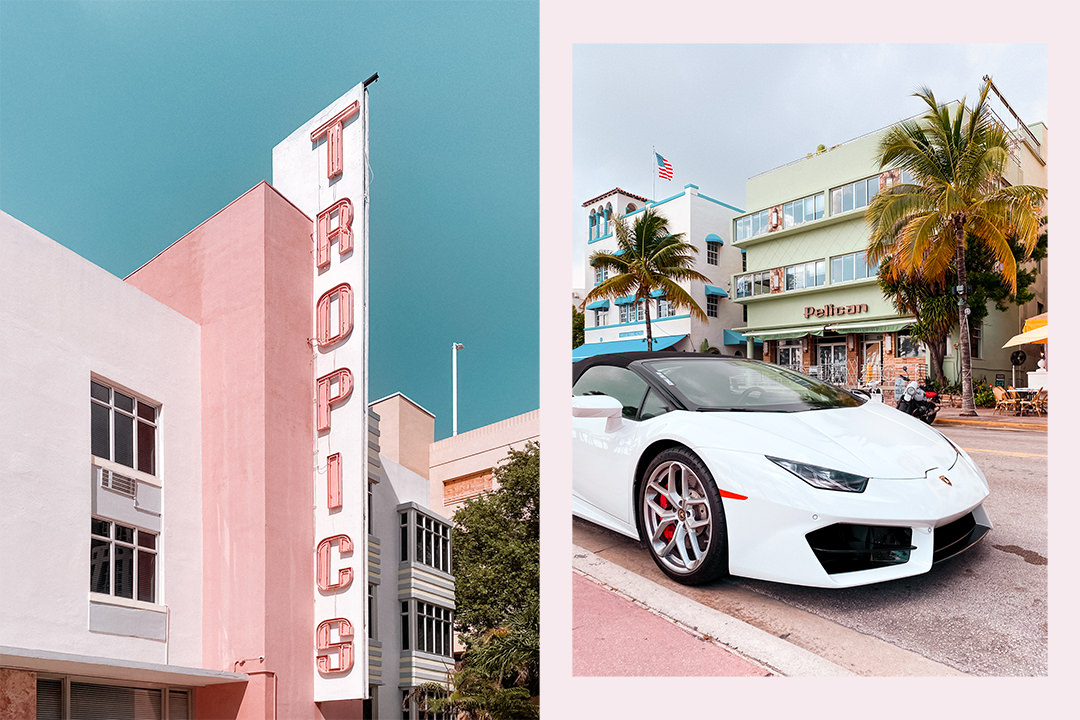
[[123, 125]]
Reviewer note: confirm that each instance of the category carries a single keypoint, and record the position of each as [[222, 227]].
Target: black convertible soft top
[[625, 358]]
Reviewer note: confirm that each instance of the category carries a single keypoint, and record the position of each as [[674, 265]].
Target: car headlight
[[823, 478]]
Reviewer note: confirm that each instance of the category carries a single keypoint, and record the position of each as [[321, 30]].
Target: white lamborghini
[[726, 465]]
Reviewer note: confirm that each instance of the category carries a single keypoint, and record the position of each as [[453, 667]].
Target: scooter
[[914, 400]]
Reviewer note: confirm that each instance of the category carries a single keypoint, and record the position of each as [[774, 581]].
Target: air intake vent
[[118, 483]]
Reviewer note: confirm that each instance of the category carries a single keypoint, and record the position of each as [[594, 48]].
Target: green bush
[[984, 393]]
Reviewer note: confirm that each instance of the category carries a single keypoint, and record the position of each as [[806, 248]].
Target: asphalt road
[[982, 613]]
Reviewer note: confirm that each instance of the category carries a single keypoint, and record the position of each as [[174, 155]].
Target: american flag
[[664, 168]]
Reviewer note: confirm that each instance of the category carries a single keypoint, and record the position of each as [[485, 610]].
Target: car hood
[[872, 439]]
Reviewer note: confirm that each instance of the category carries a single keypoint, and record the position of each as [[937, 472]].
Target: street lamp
[[454, 347]]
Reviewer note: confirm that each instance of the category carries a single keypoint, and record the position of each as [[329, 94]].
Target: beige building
[[458, 467]]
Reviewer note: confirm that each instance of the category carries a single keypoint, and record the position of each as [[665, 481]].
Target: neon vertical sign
[[322, 169]]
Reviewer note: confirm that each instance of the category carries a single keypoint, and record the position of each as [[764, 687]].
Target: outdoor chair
[[1036, 404], [1005, 401]]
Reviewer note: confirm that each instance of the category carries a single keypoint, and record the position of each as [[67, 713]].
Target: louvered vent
[[118, 483]]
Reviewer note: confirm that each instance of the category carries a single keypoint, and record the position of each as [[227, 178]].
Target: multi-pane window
[[751, 225], [600, 274], [664, 308], [803, 210], [434, 628], [811, 274], [853, 195], [431, 537], [431, 626], [409, 703], [789, 354], [852, 266], [632, 312], [975, 331], [753, 284], [123, 560], [859, 193], [371, 614], [432, 543], [600, 317], [795, 212], [712, 253], [712, 305], [122, 428]]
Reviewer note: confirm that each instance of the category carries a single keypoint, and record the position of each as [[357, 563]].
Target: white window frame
[[137, 550], [138, 420]]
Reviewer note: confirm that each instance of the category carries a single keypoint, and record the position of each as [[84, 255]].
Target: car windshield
[[729, 384]]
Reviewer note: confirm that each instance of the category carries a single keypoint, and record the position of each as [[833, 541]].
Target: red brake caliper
[[669, 531]]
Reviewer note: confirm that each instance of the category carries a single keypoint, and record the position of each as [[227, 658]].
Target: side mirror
[[599, 406]]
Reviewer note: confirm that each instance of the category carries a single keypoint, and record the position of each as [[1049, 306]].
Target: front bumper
[[787, 531]]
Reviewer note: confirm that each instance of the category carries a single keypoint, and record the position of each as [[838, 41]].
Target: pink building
[[213, 532]]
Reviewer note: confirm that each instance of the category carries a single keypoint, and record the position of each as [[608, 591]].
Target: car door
[[605, 449]]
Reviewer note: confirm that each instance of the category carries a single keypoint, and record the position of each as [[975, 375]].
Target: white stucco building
[[614, 325]]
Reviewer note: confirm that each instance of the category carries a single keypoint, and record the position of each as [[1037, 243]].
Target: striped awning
[[784, 334], [875, 326]]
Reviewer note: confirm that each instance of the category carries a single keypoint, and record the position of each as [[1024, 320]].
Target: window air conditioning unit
[[118, 483]]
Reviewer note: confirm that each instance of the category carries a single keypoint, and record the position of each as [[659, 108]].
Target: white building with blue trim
[[618, 325]]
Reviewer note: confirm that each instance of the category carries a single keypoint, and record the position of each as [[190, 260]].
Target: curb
[[753, 643]]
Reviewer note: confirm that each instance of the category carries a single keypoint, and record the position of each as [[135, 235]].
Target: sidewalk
[[987, 418], [615, 635]]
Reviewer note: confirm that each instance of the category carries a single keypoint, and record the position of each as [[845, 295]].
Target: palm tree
[[648, 258], [957, 157]]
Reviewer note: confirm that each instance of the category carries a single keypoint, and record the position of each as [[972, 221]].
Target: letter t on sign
[[331, 129]]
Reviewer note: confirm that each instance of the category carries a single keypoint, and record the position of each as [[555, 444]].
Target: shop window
[[123, 428], [123, 560], [906, 347]]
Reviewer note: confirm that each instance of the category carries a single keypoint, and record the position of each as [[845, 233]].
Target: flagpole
[[654, 174]]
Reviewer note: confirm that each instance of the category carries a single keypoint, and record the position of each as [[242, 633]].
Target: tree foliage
[[957, 157], [934, 303], [496, 544], [496, 541], [577, 325]]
